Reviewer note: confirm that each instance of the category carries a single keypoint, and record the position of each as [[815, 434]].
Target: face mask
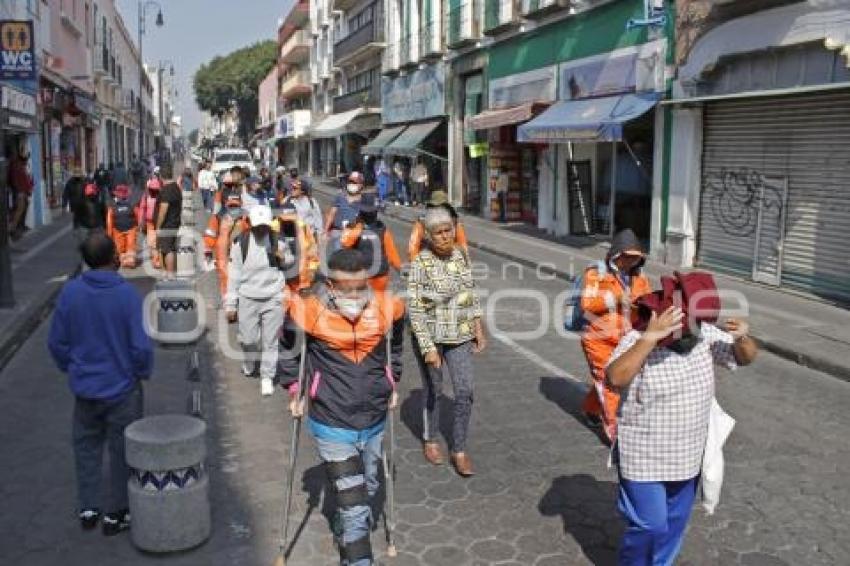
[[234, 212], [352, 188], [351, 308]]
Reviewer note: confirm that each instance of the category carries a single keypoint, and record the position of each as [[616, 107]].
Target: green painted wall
[[596, 31]]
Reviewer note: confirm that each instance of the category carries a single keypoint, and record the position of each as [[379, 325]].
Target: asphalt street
[[543, 494]]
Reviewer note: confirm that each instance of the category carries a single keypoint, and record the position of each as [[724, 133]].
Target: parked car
[[225, 158]]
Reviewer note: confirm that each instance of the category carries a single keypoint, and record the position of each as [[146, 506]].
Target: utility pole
[[159, 22]]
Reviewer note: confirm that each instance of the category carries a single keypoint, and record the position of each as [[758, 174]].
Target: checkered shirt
[[663, 416]]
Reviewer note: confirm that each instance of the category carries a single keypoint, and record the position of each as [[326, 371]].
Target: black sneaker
[[114, 523], [89, 518]]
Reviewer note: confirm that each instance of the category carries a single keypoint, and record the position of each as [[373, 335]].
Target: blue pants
[[656, 515], [356, 520], [96, 424], [383, 186], [401, 191]]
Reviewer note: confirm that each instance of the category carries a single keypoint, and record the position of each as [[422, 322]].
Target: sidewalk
[[41, 262], [806, 331]]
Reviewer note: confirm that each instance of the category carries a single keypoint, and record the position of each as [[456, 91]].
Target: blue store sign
[[415, 96], [17, 50]]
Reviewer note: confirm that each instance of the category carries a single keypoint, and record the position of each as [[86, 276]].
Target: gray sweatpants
[[457, 361], [260, 322]]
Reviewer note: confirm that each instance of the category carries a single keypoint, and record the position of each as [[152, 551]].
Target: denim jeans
[[656, 515], [207, 196], [356, 521], [401, 191], [96, 423]]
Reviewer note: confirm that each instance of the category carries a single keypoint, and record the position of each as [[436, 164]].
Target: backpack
[[574, 319], [124, 215], [371, 245], [695, 293], [245, 241]]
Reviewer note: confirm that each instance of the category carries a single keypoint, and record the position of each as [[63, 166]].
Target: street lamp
[[143, 9]]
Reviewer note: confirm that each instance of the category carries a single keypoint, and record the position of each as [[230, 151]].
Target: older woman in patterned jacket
[[445, 316]]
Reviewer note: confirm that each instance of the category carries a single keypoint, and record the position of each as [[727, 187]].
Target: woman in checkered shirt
[[663, 425]]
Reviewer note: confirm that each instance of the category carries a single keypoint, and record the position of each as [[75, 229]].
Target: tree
[[193, 137], [231, 82]]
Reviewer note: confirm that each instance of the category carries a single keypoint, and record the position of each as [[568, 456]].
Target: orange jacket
[[213, 232], [604, 302], [417, 236], [351, 235], [307, 251]]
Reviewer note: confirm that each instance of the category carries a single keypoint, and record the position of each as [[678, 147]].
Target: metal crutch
[[293, 455]]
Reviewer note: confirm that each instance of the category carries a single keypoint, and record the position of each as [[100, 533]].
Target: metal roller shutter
[[778, 170]]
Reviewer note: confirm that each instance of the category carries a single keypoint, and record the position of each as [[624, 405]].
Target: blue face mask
[[234, 212]]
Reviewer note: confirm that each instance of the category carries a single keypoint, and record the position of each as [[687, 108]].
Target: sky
[[195, 31]]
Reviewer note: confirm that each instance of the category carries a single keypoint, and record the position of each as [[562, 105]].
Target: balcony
[[361, 44], [500, 16], [464, 27], [101, 64], [431, 40], [533, 9], [69, 23], [296, 84], [296, 49], [369, 97], [343, 5], [390, 60], [298, 15]]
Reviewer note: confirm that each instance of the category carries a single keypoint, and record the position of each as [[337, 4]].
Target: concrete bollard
[[187, 217], [186, 252], [168, 487], [177, 319]]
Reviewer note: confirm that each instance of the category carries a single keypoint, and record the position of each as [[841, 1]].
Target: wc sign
[[17, 50]]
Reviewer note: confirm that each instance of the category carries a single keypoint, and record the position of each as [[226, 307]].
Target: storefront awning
[[408, 142], [499, 117], [592, 120], [335, 124], [382, 140]]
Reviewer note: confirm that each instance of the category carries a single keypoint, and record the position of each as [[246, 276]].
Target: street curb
[[817, 363], [25, 324]]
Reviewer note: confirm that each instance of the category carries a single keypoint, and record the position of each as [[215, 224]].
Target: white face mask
[[352, 188], [351, 308]]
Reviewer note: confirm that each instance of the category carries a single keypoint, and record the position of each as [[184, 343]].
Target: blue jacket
[[98, 338]]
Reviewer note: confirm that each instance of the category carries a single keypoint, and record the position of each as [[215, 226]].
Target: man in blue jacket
[[98, 338]]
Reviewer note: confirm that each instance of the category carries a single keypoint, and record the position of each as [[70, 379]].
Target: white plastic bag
[[720, 425]]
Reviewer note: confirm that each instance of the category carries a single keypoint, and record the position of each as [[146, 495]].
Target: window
[[364, 80], [361, 19]]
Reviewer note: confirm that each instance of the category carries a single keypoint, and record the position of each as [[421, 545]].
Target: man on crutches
[[350, 383]]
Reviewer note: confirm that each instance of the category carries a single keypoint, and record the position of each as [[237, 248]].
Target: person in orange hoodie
[[147, 218], [372, 238], [417, 235], [122, 226], [298, 237], [606, 300], [222, 228]]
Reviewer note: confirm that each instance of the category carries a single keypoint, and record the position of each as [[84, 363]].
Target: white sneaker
[[266, 387]]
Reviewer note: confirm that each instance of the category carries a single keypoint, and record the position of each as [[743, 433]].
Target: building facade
[[759, 114], [294, 89]]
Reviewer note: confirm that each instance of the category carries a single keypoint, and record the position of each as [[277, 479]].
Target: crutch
[[389, 461], [293, 455]]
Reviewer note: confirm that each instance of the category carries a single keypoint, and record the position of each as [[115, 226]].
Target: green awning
[[408, 142], [382, 140]]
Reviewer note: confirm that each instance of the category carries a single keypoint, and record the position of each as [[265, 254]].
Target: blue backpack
[[574, 320]]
